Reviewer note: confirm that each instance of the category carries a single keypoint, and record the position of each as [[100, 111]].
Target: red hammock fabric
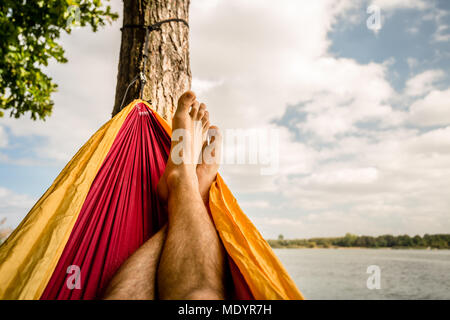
[[121, 211]]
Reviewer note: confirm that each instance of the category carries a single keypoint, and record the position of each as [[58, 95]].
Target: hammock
[[103, 206]]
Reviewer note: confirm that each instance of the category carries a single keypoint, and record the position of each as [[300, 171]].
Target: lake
[[342, 273]]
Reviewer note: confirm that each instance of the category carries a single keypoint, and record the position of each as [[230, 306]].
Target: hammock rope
[[148, 28]]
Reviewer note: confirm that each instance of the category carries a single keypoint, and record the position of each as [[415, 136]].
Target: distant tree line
[[439, 241]]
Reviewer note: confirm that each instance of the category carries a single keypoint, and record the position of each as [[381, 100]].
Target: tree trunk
[[168, 71]]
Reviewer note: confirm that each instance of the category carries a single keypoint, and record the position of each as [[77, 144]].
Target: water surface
[[342, 273]]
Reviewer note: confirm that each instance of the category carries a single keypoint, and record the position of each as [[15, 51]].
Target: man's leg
[[136, 278], [192, 264]]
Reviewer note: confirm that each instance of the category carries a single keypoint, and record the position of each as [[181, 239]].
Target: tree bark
[[168, 70]]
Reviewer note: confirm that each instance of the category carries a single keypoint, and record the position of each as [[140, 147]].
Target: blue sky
[[405, 35], [363, 117]]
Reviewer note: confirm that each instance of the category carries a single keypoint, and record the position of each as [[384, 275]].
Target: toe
[[185, 102], [194, 109], [205, 119], [216, 140], [205, 126], [201, 112]]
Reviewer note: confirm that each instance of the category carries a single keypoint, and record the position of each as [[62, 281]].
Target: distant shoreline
[[351, 241], [359, 248]]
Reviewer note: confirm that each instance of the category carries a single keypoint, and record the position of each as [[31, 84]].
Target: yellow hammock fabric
[[30, 255]]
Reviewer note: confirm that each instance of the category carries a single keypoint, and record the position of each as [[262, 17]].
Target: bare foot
[[190, 125], [207, 169]]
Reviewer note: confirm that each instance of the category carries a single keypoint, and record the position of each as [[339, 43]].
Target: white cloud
[[401, 4], [3, 138], [11, 199], [254, 204], [260, 76], [432, 110], [14, 206], [431, 143], [442, 33], [342, 177], [390, 182], [423, 82], [262, 54], [279, 222], [200, 86], [355, 93]]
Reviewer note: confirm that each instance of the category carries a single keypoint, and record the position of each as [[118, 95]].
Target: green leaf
[[30, 35]]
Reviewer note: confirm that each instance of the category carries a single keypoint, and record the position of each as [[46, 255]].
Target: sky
[[359, 107]]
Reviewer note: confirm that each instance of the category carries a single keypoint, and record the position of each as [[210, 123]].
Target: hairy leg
[[136, 278], [192, 261]]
